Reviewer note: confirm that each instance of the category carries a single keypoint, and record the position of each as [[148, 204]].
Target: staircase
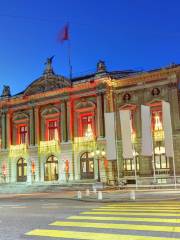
[[45, 187]]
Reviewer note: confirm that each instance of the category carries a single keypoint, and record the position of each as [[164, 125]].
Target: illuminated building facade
[[54, 131]]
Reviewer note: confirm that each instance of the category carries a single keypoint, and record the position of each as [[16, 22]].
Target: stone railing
[[51, 146], [85, 143], [17, 150]]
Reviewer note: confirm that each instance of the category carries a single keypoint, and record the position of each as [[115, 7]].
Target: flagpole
[[69, 54]]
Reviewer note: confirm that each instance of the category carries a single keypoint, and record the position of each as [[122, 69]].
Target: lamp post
[[98, 154]]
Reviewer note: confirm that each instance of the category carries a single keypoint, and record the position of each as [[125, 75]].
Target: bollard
[[132, 195], [79, 195], [100, 197], [87, 192]]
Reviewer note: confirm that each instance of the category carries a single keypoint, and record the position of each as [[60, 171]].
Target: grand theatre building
[[55, 130]]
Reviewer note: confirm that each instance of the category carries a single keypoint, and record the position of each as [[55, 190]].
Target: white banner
[[126, 132], [110, 136], [167, 127], [147, 144]]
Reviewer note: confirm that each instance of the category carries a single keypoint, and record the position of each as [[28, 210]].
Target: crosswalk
[[120, 221]]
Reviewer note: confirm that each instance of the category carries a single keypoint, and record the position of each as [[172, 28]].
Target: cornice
[[147, 77]]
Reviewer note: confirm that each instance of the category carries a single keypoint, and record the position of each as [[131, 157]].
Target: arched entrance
[[21, 170], [51, 169], [87, 166]]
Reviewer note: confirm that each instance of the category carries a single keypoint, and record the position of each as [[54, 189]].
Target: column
[[36, 125], [63, 121], [68, 110], [3, 129], [31, 112], [8, 130], [100, 115]]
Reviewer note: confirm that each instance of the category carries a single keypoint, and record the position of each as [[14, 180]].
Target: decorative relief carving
[[47, 83], [126, 97], [155, 91], [20, 116], [84, 104], [49, 111]]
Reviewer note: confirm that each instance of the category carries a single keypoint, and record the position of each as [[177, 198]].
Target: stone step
[[55, 187]]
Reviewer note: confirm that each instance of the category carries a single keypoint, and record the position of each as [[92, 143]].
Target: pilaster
[[36, 125], [3, 124], [100, 115], [31, 112], [64, 121]]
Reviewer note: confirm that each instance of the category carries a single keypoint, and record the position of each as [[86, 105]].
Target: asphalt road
[[30, 219], [18, 216]]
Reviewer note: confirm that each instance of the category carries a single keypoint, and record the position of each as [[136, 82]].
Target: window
[[23, 134], [52, 131], [21, 170], [87, 125], [129, 164], [51, 169], [87, 166], [161, 162]]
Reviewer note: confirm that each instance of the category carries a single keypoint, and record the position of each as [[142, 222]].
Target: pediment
[[47, 83]]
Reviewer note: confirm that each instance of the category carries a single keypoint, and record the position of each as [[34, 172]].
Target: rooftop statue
[[101, 66], [6, 91], [48, 63]]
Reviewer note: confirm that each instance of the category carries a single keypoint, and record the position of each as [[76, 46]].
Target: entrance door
[[87, 166], [21, 170], [51, 169]]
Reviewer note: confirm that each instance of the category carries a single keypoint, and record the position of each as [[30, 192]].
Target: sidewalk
[[107, 196]]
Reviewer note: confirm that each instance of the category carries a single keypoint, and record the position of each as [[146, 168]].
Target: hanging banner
[[147, 144], [110, 136], [126, 133], [167, 126]]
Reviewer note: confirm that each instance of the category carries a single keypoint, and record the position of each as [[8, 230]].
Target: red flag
[[64, 34]]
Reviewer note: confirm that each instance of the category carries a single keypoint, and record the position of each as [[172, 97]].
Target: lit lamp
[[98, 154], [89, 132]]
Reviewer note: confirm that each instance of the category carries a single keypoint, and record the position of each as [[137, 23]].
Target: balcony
[[18, 150], [87, 143], [51, 146]]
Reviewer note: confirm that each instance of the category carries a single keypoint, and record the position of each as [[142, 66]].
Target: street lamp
[[98, 154]]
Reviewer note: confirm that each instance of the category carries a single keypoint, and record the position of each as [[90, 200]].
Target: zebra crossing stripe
[[132, 213], [143, 205], [90, 235], [135, 210], [133, 219], [144, 208], [117, 226]]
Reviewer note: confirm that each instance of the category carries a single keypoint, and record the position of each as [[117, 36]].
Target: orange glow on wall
[[4, 169], [33, 167]]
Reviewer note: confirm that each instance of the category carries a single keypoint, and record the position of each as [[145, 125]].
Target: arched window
[[21, 170], [51, 169], [87, 166]]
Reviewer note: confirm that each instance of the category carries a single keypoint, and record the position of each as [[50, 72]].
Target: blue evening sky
[[127, 34]]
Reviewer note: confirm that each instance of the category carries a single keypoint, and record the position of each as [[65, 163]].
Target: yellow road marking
[[134, 207], [135, 210], [144, 205], [117, 226], [133, 214], [90, 235], [107, 218]]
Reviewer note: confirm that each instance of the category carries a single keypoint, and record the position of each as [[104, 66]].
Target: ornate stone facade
[[53, 129]]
